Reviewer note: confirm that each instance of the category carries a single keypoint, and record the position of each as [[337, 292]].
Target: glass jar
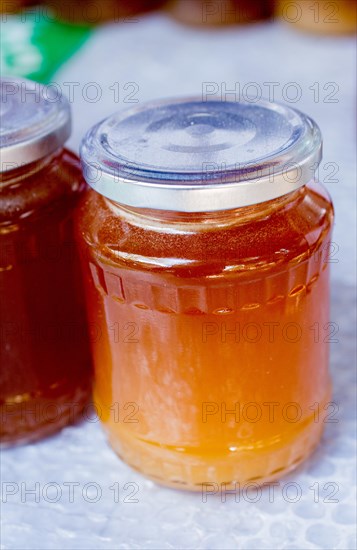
[[205, 254], [45, 356]]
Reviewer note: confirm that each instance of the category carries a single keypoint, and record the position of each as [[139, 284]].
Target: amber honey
[[167, 305], [45, 375], [45, 362], [210, 329]]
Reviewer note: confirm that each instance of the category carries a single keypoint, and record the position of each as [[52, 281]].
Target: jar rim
[[190, 155], [35, 122]]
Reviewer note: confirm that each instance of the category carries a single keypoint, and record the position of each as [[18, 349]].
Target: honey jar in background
[[205, 247], [45, 358], [93, 13], [322, 16], [13, 6], [219, 12]]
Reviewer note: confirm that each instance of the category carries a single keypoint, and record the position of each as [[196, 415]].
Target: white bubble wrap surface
[[93, 500]]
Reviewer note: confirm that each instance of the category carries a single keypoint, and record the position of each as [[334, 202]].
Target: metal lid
[[34, 122], [190, 155]]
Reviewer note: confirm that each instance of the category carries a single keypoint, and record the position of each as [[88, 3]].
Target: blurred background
[[109, 55]]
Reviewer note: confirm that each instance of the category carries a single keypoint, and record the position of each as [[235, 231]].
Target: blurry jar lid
[[191, 155], [35, 122]]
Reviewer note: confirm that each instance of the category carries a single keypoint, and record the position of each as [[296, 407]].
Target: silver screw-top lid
[[191, 155], [34, 122]]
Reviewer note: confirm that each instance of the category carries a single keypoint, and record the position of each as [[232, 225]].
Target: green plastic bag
[[34, 45]]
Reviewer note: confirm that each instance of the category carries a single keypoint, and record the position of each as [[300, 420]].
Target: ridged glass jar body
[[45, 357], [210, 334]]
